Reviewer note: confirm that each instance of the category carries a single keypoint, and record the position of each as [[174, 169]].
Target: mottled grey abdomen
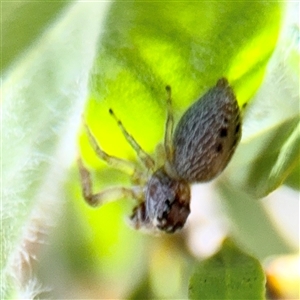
[[207, 134]]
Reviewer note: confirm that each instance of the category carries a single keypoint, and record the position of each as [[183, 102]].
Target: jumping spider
[[199, 149]]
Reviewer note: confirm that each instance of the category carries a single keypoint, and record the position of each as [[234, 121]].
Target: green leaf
[[293, 180], [188, 45], [229, 274], [264, 161], [287, 160], [250, 223]]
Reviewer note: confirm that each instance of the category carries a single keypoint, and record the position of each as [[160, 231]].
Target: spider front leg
[[168, 142], [106, 195], [144, 157], [118, 163]]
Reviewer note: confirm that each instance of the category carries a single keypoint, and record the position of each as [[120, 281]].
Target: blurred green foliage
[[229, 274]]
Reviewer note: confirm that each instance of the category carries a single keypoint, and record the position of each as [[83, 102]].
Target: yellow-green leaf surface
[[187, 45], [229, 274]]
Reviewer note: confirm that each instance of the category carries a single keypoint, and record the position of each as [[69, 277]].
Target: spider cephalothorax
[[166, 206]]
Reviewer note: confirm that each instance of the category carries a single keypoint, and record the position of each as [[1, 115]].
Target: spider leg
[[145, 158], [118, 163], [107, 195], [168, 144]]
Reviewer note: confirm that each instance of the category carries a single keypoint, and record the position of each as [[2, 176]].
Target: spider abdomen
[[207, 134]]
